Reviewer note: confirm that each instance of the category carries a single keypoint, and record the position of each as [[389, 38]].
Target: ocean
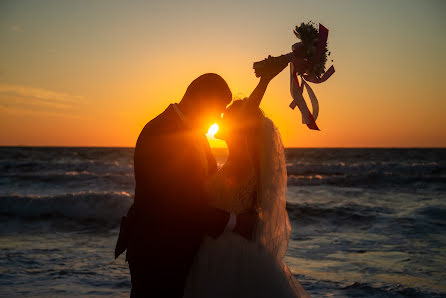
[[365, 222]]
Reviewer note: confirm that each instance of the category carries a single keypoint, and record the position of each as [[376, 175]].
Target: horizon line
[[328, 147]]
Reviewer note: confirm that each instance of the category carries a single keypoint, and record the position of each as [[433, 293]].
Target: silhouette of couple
[[198, 231]]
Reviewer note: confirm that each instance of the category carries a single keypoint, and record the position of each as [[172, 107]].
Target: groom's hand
[[246, 223]]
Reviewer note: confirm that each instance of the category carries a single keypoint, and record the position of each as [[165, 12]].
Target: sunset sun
[[212, 130]]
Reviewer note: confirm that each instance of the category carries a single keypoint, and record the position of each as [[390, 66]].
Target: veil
[[273, 227]]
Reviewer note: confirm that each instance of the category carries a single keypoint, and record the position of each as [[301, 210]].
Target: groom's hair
[[209, 85]]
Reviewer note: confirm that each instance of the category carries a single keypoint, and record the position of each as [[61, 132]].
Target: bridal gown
[[232, 266]]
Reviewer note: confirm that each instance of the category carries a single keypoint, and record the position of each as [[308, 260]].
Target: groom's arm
[[170, 173], [206, 219], [198, 215], [242, 224]]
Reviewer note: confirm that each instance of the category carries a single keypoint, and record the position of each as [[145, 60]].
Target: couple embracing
[[198, 231]]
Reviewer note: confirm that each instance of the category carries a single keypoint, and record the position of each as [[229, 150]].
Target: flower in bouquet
[[312, 50]]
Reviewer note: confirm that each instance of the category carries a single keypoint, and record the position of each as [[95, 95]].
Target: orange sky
[[93, 73]]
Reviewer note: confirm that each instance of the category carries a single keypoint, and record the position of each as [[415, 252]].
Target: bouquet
[[308, 60]]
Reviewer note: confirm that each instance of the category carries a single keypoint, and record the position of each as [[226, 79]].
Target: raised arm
[[268, 68], [257, 94], [272, 66]]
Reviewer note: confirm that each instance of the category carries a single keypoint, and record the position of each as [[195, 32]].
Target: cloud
[[24, 99], [28, 111]]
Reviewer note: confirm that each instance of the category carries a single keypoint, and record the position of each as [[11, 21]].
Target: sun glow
[[212, 130]]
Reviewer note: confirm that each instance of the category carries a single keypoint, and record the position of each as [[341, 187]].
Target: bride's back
[[231, 192]]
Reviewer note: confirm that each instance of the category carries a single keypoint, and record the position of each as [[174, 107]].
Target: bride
[[254, 176]]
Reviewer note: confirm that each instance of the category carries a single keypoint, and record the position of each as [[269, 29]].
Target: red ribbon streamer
[[322, 41]]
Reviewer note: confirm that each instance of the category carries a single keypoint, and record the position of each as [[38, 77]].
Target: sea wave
[[80, 178], [105, 207], [342, 214], [367, 173], [314, 218], [369, 180], [358, 289], [336, 168], [11, 167]]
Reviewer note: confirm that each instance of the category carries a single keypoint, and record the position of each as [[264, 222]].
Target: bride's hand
[[246, 223], [273, 66]]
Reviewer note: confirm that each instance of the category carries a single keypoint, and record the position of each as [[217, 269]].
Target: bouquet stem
[[264, 66]]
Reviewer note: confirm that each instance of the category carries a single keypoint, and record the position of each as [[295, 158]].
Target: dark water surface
[[366, 222]]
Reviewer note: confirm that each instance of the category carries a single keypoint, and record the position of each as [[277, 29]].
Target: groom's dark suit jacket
[[169, 217]]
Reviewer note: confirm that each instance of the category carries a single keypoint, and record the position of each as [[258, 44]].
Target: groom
[[169, 217]]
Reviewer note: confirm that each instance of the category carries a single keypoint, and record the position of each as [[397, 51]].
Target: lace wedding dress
[[231, 266]]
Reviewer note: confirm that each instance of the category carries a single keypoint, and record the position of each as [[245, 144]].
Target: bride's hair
[[251, 120]]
